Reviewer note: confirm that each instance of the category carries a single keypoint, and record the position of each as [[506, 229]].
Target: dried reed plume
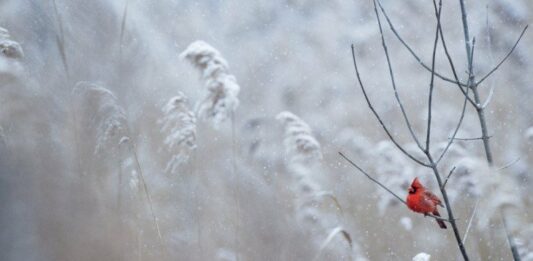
[[112, 132], [109, 118], [300, 145], [179, 126], [8, 47], [303, 157], [221, 100], [10, 55]]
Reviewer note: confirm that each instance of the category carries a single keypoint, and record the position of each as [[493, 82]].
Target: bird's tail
[[440, 222]]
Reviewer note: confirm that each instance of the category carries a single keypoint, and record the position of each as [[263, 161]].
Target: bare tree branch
[[431, 163], [509, 164], [60, 40], [480, 138], [385, 187], [504, 58], [447, 178], [463, 112], [385, 50], [133, 150], [432, 84], [481, 112], [417, 58], [434, 164], [491, 58], [371, 178], [377, 115], [452, 66]]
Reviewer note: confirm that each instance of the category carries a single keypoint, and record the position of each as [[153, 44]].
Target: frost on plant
[[179, 127], [108, 117], [222, 97], [10, 55], [8, 47], [300, 144], [303, 155]]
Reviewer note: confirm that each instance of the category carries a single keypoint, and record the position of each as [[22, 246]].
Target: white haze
[[115, 147]]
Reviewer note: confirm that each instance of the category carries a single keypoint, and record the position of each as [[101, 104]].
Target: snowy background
[[115, 147]]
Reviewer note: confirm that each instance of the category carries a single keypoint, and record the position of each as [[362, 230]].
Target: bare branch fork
[[444, 78], [480, 109], [429, 162], [504, 58], [417, 58], [447, 178]]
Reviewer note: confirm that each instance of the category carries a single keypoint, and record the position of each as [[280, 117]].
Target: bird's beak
[[411, 190]]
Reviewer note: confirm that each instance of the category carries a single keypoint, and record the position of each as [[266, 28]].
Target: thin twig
[[509, 164], [123, 28], [481, 112], [432, 84], [389, 64], [147, 193], [452, 66], [448, 177], [463, 112], [491, 58], [238, 185], [417, 58], [377, 115], [480, 138], [434, 164], [504, 59], [119, 187], [470, 220], [450, 142], [371, 178], [60, 40], [510, 239], [384, 187]]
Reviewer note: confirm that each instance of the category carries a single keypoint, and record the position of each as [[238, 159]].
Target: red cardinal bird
[[422, 201]]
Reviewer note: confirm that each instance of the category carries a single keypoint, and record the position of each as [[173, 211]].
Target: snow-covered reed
[[108, 117], [10, 56], [300, 144], [303, 156], [8, 47], [222, 98], [179, 126]]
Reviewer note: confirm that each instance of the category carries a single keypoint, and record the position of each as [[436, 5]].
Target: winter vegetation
[[123, 136]]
